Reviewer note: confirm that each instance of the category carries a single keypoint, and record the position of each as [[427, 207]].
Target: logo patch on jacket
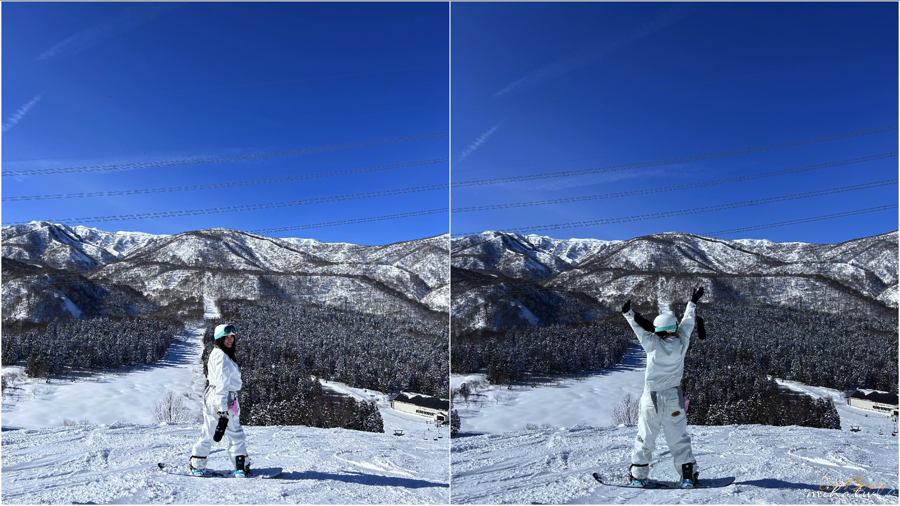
[[676, 413]]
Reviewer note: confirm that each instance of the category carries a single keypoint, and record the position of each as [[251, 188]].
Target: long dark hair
[[220, 344]]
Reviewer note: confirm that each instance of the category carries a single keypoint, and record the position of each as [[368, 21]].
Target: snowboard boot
[[241, 466], [198, 465], [635, 480], [689, 477]]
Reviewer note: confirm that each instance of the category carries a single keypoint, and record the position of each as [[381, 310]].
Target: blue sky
[[96, 84], [547, 87]]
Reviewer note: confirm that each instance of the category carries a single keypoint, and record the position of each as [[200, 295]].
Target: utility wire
[[229, 158], [224, 185], [672, 188], [249, 207], [696, 210], [352, 221], [799, 221], [669, 161]]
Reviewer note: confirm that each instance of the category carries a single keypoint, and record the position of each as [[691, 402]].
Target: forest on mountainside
[[729, 376], [281, 349], [528, 351], [70, 345]]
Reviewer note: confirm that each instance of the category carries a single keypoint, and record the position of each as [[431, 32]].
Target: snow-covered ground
[[128, 394], [500, 461], [868, 422], [585, 400], [110, 454]]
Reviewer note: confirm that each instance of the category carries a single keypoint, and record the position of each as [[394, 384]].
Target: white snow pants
[[663, 409], [234, 432]]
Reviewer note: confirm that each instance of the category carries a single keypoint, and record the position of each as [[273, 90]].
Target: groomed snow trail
[[111, 456], [776, 465], [497, 461], [117, 464], [587, 400], [127, 395]]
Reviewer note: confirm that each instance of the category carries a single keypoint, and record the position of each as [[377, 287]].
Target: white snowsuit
[[662, 403], [220, 396]]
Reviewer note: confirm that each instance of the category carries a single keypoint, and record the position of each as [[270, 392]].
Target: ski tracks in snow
[[117, 463], [779, 465]]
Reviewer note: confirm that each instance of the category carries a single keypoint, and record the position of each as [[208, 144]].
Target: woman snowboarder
[[221, 412], [662, 404]]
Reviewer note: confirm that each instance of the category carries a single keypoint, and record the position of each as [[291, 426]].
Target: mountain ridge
[[508, 278], [407, 276]]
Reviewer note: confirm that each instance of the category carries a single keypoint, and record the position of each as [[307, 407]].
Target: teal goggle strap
[[670, 328]]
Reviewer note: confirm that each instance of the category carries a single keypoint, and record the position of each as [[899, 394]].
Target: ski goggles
[[668, 329], [229, 330]]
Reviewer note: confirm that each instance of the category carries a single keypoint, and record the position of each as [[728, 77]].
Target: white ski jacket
[[665, 357], [224, 376]]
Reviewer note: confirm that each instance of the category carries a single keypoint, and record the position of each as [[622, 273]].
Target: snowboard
[[185, 470], [671, 485]]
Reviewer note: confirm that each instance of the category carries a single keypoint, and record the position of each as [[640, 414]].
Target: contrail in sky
[[11, 122], [590, 54], [478, 142], [123, 21]]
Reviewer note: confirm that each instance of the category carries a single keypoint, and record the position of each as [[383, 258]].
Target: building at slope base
[[422, 405], [873, 400]]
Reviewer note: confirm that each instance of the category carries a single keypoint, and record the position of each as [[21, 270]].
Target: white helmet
[[666, 323], [225, 330]]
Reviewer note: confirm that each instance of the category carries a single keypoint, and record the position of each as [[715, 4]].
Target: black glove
[[220, 428], [626, 307], [695, 296], [701, 328], [643, 322]]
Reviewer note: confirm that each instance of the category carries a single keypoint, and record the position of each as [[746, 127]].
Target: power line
[[352, 221], [696, 210], [224, 185], [228, 158], [799, 221], [245, 85], [669, 161], [672, 188], [249, 207]]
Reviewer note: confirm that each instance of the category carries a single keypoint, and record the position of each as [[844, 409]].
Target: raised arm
[[690, 315], [642, 328]]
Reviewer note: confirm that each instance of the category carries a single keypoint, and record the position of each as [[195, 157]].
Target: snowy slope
[[499, 461], [495, 410], [110, 455], [117, 464], [128, 394], [771, 465]]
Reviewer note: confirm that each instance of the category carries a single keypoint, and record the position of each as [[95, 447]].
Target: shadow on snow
[[361, 478]]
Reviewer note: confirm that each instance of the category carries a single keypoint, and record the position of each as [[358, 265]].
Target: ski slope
[[117, 464], [128, 394], [540, 445], [589, 399], [110, 453]]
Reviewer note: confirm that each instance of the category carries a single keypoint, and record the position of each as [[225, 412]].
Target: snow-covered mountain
[[52, 269], [502, 279], [76, 249]]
